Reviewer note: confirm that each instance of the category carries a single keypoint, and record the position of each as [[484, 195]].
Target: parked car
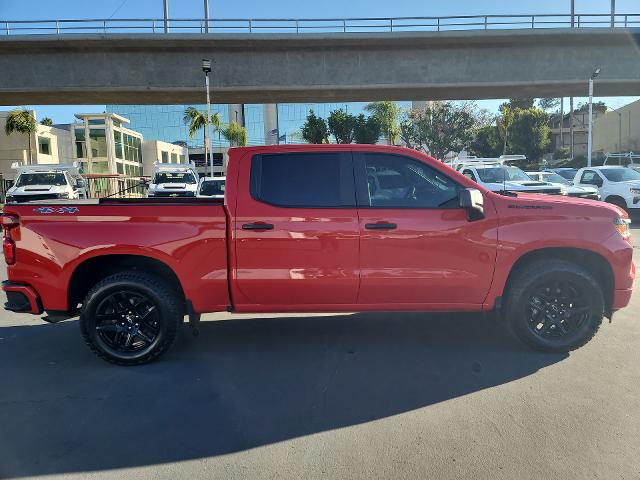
[[498, 178], [572, 190], [617, 185], [211, 187], [44, 182], [173, 180], [565, 172], [301, 230]]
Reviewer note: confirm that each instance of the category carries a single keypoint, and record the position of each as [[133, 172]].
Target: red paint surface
[[319, 259]]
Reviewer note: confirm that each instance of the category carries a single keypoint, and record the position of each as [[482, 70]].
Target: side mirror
[[598, 182], [472, 200]]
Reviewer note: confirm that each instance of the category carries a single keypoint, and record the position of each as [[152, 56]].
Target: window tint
[[469, 174], [394, 181], [212, 187], [589, 177], [312, 180]]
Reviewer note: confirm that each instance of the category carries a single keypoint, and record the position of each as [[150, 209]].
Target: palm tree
[[235, 134], [46, 121], [21, 121], [198, 120]]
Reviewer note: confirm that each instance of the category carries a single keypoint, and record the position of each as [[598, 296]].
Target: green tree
[[315, 129], [549, 104], [503, 123], [235, 134], [486, 142], [367, 129], [21, 121], [46, 121], [387, 114], [197, 120], [341, 125], [515, 103], [529, 133], [438, 129]]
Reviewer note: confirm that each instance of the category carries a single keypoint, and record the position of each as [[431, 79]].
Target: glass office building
[[165, 122]]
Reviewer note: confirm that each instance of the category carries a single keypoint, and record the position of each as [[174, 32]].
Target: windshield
[[569, 174], [620, 174], [174, 177], [212, 187], [41, 179], [552, 177], [499, 174]]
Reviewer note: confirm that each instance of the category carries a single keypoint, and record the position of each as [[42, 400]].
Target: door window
[[469, 174], [394, 181], [590, 177], [306, 180]]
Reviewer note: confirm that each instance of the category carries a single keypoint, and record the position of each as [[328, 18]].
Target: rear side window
[[313, 180]]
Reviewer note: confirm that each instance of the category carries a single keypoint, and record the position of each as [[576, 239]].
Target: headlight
[[622, 226], [63, 195], [635, 191], [563, 191]]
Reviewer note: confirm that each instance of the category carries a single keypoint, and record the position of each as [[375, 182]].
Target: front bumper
[[21, 298]]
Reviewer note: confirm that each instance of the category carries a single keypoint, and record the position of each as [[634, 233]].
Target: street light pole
[[613, 13], [166, 16], [595, 73], [206, 68], [206, 16]]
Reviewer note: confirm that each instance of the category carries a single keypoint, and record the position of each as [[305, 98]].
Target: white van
[[173, 180], [46, 182]]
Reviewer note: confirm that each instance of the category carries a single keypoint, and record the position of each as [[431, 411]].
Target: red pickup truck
[[319, 228]]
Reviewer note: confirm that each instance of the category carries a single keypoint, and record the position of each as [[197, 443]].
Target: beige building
[[48, 145], [618, 130], [158, 151], [580, 129]]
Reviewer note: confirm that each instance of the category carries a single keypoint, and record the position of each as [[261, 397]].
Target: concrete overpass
[[270, 68]]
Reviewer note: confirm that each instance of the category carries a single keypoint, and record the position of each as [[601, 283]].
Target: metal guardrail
[[318, 25]]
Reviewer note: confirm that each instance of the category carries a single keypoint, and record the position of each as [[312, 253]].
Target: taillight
[[8, 245], [9, 249]]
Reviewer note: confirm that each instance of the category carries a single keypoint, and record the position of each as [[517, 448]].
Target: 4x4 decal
[[46, 210]]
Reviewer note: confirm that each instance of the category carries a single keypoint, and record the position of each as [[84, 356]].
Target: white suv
[[173, 180], [46, 182], [498, 178], [617, 185]]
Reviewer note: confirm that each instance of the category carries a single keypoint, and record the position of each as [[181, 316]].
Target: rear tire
[[130, 318], [554, 306]]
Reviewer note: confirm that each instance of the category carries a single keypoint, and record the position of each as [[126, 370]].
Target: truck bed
[[186, 235]]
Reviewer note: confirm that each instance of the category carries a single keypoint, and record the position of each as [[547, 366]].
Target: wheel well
[[610, 199], [593, 262], [92, 270]]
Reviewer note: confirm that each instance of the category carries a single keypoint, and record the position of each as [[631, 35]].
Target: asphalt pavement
[[362, 396]]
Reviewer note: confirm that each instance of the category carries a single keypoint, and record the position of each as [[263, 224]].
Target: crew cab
[[320, 228], [211, 187], [498, 178], [173, 180], [570, 189], [44, 182], [617, 185]]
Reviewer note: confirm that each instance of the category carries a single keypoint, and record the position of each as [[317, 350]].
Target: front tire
[[130, 318], [554, 306]]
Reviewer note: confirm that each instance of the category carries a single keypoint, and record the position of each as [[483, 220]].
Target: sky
[[70, 9]]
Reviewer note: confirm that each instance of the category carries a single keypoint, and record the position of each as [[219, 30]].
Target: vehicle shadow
[[241, 384]]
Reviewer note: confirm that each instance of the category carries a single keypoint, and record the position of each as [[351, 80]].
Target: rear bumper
[[21, 298]]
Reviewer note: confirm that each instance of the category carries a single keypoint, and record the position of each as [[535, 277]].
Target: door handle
[[257, 226], [380, 226]]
